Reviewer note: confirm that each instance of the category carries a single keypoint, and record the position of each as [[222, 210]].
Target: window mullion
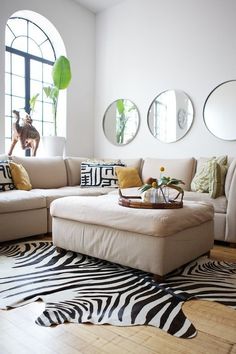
[[27, 85]]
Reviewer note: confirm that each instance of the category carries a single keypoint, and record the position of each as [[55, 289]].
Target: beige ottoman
[[153, 240]]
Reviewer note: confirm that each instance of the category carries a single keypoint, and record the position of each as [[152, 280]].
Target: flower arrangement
[[160, 186]]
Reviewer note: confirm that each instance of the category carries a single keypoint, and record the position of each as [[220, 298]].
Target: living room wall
[[146, 47], [76, 26]]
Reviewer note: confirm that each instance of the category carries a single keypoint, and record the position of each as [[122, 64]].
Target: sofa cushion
[[230, 175], [52, 194], [73, 168], [182, 169], [6, 182], [47, 172], [220, 203], [19, 200]]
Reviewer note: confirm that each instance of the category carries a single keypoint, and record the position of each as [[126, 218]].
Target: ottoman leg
[[59, 249]]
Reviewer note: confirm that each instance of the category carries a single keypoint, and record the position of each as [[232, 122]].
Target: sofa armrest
[[230, 192]]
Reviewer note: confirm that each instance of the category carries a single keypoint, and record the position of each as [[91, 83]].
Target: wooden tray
[[134, 203]]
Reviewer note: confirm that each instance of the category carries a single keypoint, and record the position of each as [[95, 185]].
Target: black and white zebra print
[[77, 288]]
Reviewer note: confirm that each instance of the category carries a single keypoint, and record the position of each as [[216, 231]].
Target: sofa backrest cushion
[[44, 172], [73, 169], [177, 168]]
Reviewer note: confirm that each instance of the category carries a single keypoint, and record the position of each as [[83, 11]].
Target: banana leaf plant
[[61, 76]]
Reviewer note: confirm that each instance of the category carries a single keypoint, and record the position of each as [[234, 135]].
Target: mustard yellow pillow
[[20, 177], [128, 177]]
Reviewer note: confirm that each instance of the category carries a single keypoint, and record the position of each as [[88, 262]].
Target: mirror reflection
[[220, 109], [170, 116], [121, 122]]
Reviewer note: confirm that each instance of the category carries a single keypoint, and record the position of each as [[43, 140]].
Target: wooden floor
[[216, 326]]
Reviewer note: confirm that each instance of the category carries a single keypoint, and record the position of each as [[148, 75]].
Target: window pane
[[8, 83], [7, 144], [48, 129], [20, 43], [35, 87], [8, 109], [8, 127], [7, 62], [47, 51], [18, 65], [47, 73], [37, 114], [36, 70], [9, 37], [33, 48], [38, 125], [47, 112], [36, 33], [18, 104], [18, 26], [18, 86]]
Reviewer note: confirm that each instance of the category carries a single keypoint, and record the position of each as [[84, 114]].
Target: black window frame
[[27, 60]]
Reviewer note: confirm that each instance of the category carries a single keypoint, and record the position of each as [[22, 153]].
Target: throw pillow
[[95, 174], [6, 182], [128, 177], [20, 176], [211, 177], [215, 180]]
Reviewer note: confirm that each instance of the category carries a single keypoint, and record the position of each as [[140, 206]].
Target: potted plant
[[61, 76]]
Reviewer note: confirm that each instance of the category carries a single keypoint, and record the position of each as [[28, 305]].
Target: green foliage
[[32, 102], [164, 182], [61, 75]]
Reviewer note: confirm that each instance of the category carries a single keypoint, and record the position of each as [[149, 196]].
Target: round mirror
[[219, 111], [170, 116], [121, 122]]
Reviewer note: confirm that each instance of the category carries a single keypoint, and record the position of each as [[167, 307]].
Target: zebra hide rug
[[77, 288]]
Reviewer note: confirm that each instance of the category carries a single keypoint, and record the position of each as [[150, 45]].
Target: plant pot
[[54, 145]]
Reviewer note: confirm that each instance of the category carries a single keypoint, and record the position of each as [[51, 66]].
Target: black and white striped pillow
[[99, 174], [6, 182]]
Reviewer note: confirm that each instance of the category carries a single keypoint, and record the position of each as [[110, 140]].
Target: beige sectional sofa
[[27, 213]]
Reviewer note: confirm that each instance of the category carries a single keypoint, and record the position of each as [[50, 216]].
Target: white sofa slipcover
[[55, 177]]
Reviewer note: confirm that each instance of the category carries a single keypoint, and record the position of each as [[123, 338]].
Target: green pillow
[[211, 177]]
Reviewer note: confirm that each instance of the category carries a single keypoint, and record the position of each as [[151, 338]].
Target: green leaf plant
[[61, 76], [163, 181]]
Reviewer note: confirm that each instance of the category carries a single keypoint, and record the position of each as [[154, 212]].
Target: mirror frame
[[138, 126], [178, 117], [204, 108]]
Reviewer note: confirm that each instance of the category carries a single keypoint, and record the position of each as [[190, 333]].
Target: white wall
[[77, 29], [144, 47]]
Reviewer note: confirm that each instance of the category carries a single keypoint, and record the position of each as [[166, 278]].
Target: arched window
[[30, 55]]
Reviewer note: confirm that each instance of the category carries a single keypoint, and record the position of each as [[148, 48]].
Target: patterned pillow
[[210, 178], [6, 182], [94, 174]]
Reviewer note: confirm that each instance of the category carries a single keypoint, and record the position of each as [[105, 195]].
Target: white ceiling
[[98, 5]]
